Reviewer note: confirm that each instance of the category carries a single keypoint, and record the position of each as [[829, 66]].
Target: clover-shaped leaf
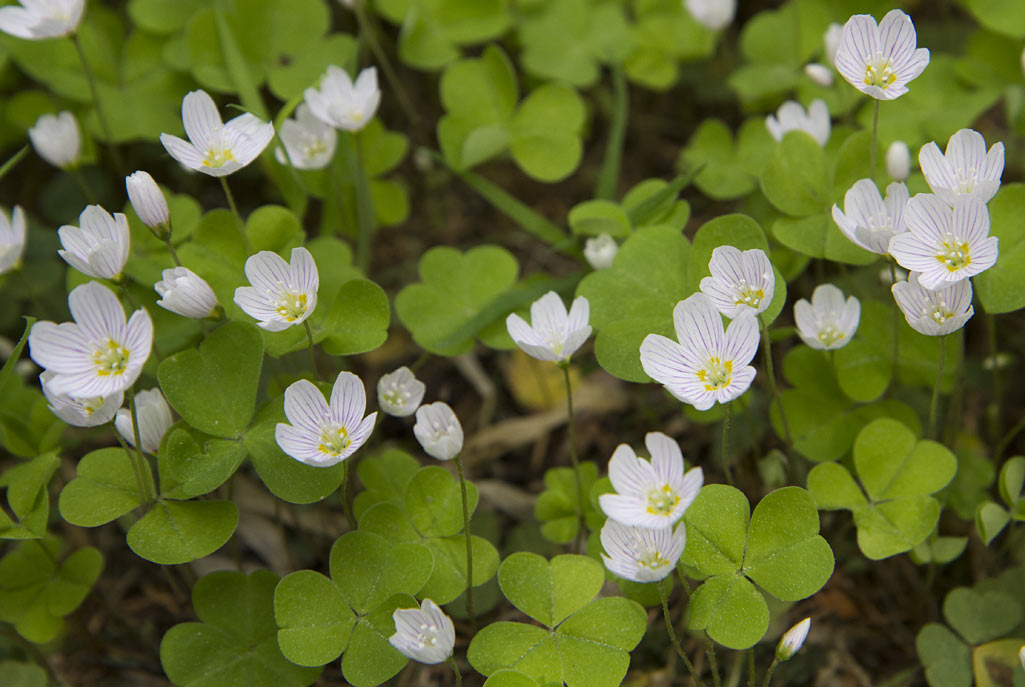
[[235, 643], [433, 30], [729, 169], [384, 479], [778, 548], [181, 531], [104, 488], [583, 643], [663, 35], [558, 507], [998, 289], [188, 469], [28, 497], [895, 512]]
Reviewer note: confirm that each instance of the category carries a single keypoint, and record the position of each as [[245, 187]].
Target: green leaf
[[188, 470], [359, 320], [999, 288], [236, 644], [25, 482], [728, 169], [448, 578], [104, 488], [182, 531], [730, 610], [545, 133], [314, 620], [433, 502], [368, 569], [557, 508], [833, 487], [1012, 479], [990, 520], [981, 617], [30, 675], [1001, 16], [214, 387], [817, 236], [594, 217], [947, 660], [370, 659], [717, 525], [796, 180], [549, 591], [432, 30], [384, 477], [500, 678]]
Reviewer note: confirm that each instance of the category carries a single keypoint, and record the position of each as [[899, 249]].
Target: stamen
[[334, 440], [954, 255], [662, 501], [716, 374], [291, 305], [111, 359], [880, 74]]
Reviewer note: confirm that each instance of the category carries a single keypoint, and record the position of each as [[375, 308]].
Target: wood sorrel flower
[[898, 161], [342, 104], [98, 354], [185, 293], [934, 312], [712, 14], [56, 139], [399, 393], [37, 19], [965, 170], [791, 116], [879, 60], [869, 221], [945, 244], [282, 293], [819, 73], [149, 203], [99, 246], [323, 434], [154, 420], [213, 147], [707, 365], [642, 554], [651, 494], [12, 239], [740, 281], [792, 640], [553, 335], [309, 141], [828, 322], [423, 634], [80, 412], [438, 430]]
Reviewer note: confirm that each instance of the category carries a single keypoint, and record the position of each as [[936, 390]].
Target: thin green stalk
[[136, 469], [343, 489], [608, 177], [751, 667], [369, 32], [469, 548], [313, 353], [770, 671], [238, 216], [573, 448], [138, 438], [727, 414], [364, 210], [875, 138], [173, 252], [455, 671], [661, 584], [934, 404], [1008, 438], [770, 374], [995, 415], [87, 192], [91, 79], [13, 160], [713, 662]]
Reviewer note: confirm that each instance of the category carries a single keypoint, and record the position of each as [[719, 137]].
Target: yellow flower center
[[716, 374], [334, 440], [291, 305], [110, 359], [880, 74], [662, 501], [829, 335], [954, 255], [216, 157], [652, 560], [91, 405], [941, 312], [746, 294]]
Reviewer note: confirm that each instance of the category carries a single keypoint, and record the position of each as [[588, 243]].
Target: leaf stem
[[91, 80], [136, 470], [313, 353], [368, 32], [87, 192], [455, 670], [364, 209], [573, 453], [875, 137], [770, 371], [935, 402], [238, 217], [138, 438], [713, 662], [608, 177], [661, 584], [469, 547], [727, 413]]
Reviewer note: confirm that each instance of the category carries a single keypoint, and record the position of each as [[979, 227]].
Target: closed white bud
[[149, 203], [712, 14], [56, 139], [601, 251], [792, 640], [399, 393], [898, 160], [819, 73], [831, 40], [185, 293], [154, 420], [438, 430], [423, 634]]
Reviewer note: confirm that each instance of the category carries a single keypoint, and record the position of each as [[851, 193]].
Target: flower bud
[[601, 251], [438, 430], [154, 420], [831, 41], [399, 393], [56, 139], [792, 640], [149, 203], [819, 73], [898, 160], [185, 293]]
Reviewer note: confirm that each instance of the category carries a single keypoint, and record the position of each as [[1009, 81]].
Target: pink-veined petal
[[305, 406], [348, 400]]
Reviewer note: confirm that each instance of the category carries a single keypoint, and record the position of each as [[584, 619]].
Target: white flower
[[1021, 651], [707, 365], [792, 640], [879, 60], [898, 161], [309, 142], [12, 239], [712, 14], [341, 103], [99, 246], [945, 244], [323, 434], [423, 634], [601, 251], [828, 322], [399, 393], [154, 420], [791, 116], [185, 293], [56, 139], [37, 19], [282, 293], [870, 222], [819, 73], [934, 312], [98, 354], [80, 412], [214, 148], [553, 335], [651, 494], [641, 554], [438, 430], [148, 200], [831, 41], [966, 169], [741, 281]]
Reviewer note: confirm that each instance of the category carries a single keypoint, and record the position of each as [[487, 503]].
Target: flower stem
[[875, 137], [661, 584], [343, 488], [751, 667], [573, 449], [173, 252], [87, 192], [136, 468], [313, 356], [768, 673], [935, 403], [727, 413], [713, 662], [364, 209], [455, 671], [91, 79], [469, 547], [608, 177], [995, 414], [238, 217], [771, 376]]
